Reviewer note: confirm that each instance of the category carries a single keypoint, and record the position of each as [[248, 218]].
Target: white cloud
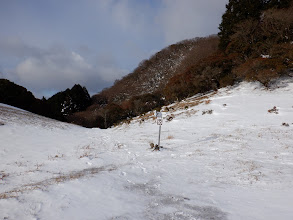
[[57, 68], [107, 65], [53, 70]]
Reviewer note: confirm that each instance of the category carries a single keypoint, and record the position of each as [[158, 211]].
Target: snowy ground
[[235, 163]]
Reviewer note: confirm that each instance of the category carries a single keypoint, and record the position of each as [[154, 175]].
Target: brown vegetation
[[153, 74], [208, 74], [255, 37]]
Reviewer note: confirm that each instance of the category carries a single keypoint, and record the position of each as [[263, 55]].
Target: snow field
[[232, 163]]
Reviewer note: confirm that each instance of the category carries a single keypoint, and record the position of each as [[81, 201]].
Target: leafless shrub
[[55, 157], [39, 165], [85, 154], [21, 164], [274, 110], [157, 148], [166, 109], [86, 151], [170, 117], [207, 112], [285, 124], [3, 176], [207, 101], [152, 145], [119, 145]]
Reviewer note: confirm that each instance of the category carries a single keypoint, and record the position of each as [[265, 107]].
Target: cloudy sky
[[50, 45]]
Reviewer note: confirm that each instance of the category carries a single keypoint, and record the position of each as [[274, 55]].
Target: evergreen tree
[[277, 3], [240, 10], [237, 11], [69, 101]]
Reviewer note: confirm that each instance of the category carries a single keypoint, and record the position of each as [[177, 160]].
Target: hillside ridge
[[152, 75]]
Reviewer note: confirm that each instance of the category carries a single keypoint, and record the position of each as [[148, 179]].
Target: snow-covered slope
[[225, 155]]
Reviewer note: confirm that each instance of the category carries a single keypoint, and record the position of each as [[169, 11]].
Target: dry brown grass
[[187, 104], [55, 180], [207, 102], [191, 102], [3, 175], [56, 156]]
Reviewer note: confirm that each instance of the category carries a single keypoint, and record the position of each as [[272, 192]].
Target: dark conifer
[[240, 10]]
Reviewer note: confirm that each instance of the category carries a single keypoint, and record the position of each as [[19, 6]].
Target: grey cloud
[[130, 15], [57, 68], [52, 69], [1, 72], [14, 46], [182, 19]]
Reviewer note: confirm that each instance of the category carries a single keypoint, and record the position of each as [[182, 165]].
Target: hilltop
[[59, 106]]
